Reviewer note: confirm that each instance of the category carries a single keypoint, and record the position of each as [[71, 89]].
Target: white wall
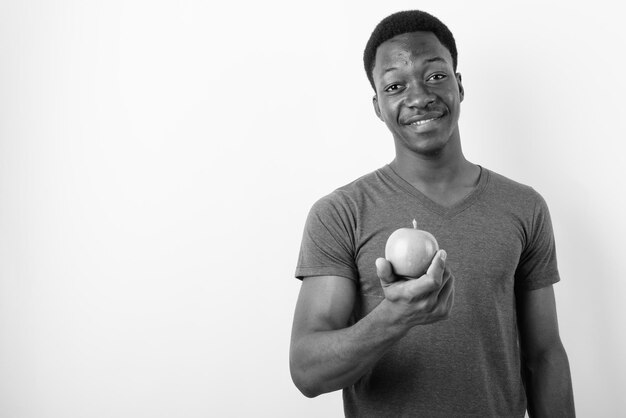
[[158, 158]]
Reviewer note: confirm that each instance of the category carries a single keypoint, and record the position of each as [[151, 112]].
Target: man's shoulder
[[355, 191], [363, 183], [512, 190]]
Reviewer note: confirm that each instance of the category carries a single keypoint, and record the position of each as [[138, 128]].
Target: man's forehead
[[409, 46]]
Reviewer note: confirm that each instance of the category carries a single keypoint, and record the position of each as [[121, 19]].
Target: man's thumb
[[384, 270], [438, 264]]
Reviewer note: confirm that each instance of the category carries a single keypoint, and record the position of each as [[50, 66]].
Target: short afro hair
[[405, 22]]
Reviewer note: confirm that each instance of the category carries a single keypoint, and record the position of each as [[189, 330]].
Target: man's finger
[[437, 266], [384, 270], [447, 289], [446, 296]]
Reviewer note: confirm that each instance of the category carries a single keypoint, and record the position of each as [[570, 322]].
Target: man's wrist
[[392, 319]]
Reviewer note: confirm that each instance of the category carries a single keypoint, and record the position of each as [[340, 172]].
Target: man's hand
[[327, 353], [423, 300]]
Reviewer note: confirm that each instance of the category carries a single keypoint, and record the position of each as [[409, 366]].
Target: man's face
[[418, 95]]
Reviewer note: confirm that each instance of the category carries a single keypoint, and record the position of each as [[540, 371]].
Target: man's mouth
[[424, 119]]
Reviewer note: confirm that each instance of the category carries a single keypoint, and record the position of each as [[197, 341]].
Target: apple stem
[[414, 224]]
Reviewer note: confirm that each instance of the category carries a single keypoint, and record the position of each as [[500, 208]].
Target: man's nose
[[419, 96]]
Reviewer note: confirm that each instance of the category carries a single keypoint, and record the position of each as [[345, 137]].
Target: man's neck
[[431, 170], [446, 178]]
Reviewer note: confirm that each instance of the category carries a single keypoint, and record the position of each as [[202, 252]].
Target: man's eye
[[393, 87], [437, 77]]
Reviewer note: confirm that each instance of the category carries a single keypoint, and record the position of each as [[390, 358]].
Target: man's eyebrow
[[427, 61], [436, 59]]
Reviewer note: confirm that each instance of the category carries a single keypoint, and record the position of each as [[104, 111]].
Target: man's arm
[[326, 354], [544, 362]]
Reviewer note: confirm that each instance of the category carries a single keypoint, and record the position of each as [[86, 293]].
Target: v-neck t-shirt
[[499, 240]]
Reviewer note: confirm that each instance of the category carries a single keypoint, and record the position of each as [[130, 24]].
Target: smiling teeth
[[421, 122]]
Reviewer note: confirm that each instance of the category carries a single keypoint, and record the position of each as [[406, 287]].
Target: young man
[[477, 335]]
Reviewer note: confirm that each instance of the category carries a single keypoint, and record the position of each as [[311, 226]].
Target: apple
[[410, 251]]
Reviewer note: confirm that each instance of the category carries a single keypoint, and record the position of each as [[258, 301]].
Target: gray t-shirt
[[499, 240]]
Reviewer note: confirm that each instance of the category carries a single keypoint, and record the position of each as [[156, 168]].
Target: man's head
[[418, 91], [405, 22]]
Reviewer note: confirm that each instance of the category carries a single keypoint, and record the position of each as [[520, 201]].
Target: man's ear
[[376, 108], [461, 89]]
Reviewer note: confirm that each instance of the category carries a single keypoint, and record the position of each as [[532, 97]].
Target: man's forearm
[[326, 361], [549, 385]]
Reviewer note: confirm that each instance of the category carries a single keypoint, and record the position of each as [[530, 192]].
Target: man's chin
[[431, 152], [426, 149]]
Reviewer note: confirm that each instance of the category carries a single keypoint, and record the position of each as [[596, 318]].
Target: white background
[[158, 160]]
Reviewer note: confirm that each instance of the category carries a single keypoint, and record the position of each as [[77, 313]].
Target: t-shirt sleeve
[[327, 247], [538, 266]]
